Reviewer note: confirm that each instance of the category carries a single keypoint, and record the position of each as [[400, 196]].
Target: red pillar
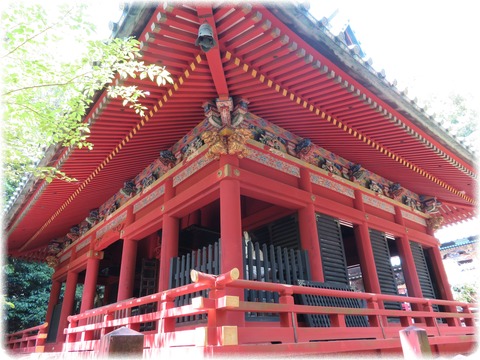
[[439, 269], [307, 223], [408, 267], [367, 260], [365, 251], [230, 226], [67, 305], [169, 249], [440, 273], [90, 284], [442, 282], [231, 243], [408, 264], [230, 218], [54, 295], [127, 270], [170, 233]]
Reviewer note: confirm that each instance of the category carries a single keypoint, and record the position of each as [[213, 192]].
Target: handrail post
[[106, 318], [288, 319], [373, 304], [468, 320], [375, 320], [406, 320], [429, 320], [453, 321], [24, 342], [286, 298], [71, 336], [166, 324], [216, 318], [217, 331]]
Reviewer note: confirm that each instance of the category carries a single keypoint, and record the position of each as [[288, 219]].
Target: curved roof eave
[[301, 23], [136, 18]]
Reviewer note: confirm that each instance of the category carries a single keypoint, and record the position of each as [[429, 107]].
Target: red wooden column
[[408, 264], [53, 300], [90, 284], [365, 251], [442, 282], [128, 262], [307, 223], [231, 232], [230, 219], [170, 233], [67, 305], [440, 273], [127, 269]]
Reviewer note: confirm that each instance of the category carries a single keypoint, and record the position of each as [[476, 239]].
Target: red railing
[[226, 325], [29, 340]]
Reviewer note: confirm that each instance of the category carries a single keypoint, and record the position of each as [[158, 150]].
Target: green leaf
[[160, 81], [151, 75], [45, 95]]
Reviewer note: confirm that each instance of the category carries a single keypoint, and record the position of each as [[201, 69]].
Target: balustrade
[[288, 329]]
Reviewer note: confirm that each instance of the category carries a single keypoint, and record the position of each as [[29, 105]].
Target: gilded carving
[[226, 141], [52, 261], [216, 144], [237, 141], [435, 222]]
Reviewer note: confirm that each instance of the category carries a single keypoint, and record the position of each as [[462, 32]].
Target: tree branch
[[28, 108], [37, 34], [47, 85]]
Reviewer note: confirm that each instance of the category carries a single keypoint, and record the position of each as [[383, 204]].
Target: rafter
[[357, 134], [214, 60]]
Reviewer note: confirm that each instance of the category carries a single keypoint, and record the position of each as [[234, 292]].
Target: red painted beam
[[264, 216], [271, 191], [145, 226], [204, 192], [214, 60]]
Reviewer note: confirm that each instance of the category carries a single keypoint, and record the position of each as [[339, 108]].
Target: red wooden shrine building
[[278, 160]]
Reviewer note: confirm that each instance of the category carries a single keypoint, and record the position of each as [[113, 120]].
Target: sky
[[427, 46]]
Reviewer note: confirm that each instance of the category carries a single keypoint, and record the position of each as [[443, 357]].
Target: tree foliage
[[467, 292], [457, 113], [28, 292], [52, 66]]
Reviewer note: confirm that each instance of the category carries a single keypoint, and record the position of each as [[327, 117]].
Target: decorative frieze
[[112, 225], [155, 194], [65, 256], [375, 202], [84, 243], [332, 185], [191, 169], [414, 218], [270, 161]]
